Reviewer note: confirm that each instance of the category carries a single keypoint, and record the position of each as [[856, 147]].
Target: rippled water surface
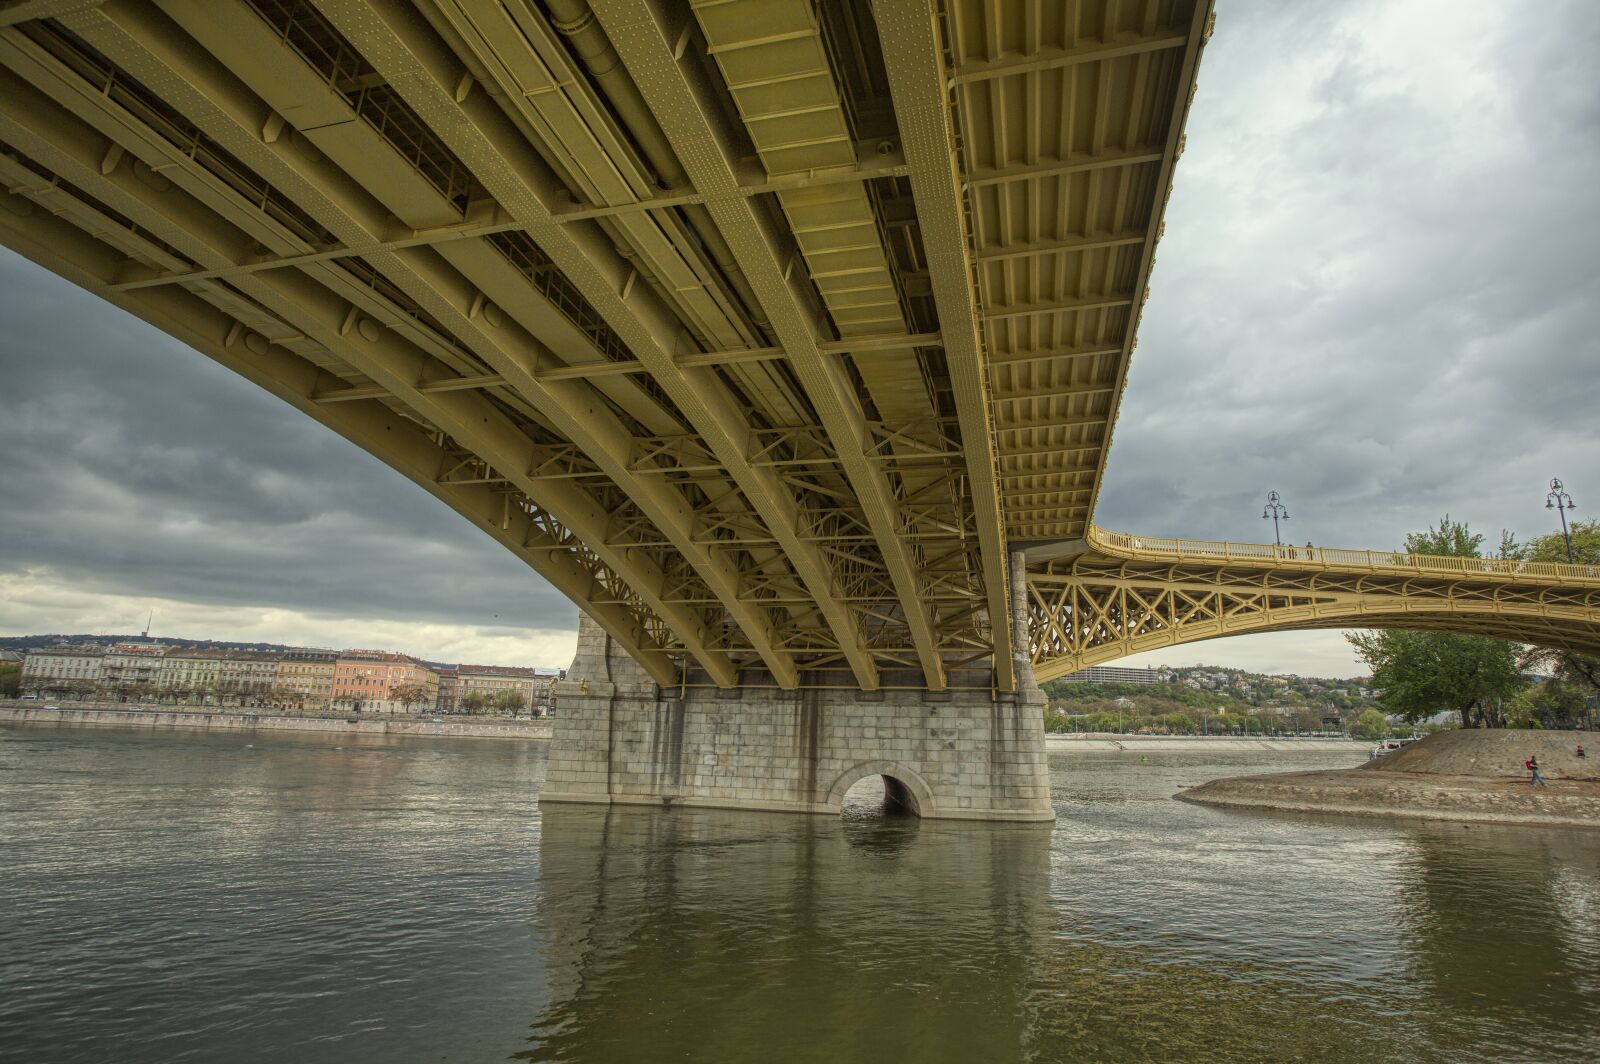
[[223, 898]]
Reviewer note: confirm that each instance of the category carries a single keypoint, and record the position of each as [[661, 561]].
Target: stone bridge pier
[[959, 755]]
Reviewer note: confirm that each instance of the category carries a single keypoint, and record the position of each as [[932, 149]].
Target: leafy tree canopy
[[1447, 537], [1423, 673], [1581, 671], [1372, 725], [1419, 674]]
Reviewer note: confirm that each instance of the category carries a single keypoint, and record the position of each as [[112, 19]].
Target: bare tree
[[409, 694]]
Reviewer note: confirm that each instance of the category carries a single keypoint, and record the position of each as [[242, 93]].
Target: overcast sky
[[1376, 295]]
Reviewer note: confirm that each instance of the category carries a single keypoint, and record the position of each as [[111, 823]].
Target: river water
[[310, 899]]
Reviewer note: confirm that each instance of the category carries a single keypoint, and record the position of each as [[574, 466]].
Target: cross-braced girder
[[1129, 594], [734, 324]]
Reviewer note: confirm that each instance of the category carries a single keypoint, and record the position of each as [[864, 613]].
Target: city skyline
[[37, 640], [1330, 319], [290, 678]]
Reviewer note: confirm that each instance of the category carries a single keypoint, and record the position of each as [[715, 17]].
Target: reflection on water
[[207, 898], [739, 934]]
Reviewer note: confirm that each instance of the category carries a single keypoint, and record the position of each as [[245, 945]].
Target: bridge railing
[[1219, 550]]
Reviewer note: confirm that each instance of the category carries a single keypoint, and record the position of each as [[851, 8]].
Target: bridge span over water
[[785, 337]]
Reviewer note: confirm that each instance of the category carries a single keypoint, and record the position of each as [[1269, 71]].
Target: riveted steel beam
[[316, 313], [1080, 164], [23, 10], [914, 60], [1056, 58], [641, 41], [1057, 306], [591, 370], [577, 412], [189, 224], [60, 247], [418, 67]]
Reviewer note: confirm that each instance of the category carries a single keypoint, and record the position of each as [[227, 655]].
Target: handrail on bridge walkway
[[1154, 548]]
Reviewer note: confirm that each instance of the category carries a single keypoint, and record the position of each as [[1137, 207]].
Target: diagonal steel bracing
[[726, 437], [640, 40], [168, 215], [516, 357], [77, 152], [425, 75], [58, 245], [1129, 595], [915, 65]]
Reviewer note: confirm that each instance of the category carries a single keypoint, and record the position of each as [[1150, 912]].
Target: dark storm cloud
[[134, 465], [1377, 291]]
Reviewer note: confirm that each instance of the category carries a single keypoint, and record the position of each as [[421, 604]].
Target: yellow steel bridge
[[785, 337]]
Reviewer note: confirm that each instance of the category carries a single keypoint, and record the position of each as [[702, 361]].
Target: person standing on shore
[[1534, 777]]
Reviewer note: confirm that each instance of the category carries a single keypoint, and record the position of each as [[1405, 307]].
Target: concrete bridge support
[[960, 755]]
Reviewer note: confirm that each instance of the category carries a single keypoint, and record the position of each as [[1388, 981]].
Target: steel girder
[[576, 410], [917, 80], [212, 200], [437, 281], [642, 43], [634, 32], [1102, 606], [66, 248], [354, 329]]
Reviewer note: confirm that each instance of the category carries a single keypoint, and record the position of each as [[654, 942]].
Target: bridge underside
[[764, 330], [756, 338]]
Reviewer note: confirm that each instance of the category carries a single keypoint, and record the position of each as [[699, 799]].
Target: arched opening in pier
[[874, 796]]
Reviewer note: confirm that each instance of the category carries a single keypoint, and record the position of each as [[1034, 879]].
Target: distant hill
[[22, 643]]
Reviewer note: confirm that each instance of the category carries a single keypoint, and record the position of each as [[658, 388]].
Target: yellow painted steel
[[770, 331], [1126, 594], [40, 223]]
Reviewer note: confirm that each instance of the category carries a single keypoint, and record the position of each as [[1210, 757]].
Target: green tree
[[1552, 703], [1421, 673], [1579, 670], [1372, 725], [1448, 537], [10, 679], [510, 702]]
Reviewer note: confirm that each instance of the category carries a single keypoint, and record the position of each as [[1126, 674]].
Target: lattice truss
[[1097, 608], [761, 342]]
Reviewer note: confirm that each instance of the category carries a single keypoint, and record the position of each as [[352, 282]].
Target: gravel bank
[[1467, 775]]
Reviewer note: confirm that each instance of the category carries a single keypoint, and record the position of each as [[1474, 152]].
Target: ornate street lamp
[[1275, 510], [1559, 501]]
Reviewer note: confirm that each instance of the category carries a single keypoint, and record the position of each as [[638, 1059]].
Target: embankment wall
[[152, 719]]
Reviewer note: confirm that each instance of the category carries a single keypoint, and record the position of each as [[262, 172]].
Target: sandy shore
[[1196, 743], [1473, 776]]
